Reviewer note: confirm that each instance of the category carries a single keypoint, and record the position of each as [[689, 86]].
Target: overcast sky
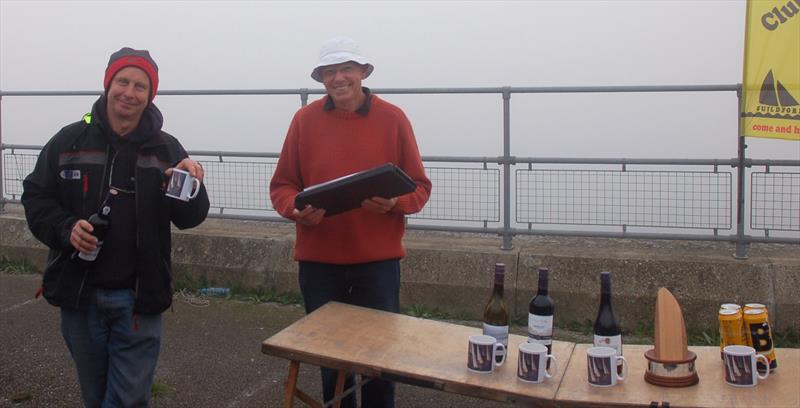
[[64, 45]]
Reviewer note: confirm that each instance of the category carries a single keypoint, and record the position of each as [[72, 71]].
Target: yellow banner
[[771, 84]]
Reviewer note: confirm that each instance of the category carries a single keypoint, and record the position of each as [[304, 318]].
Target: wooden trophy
[[670, 363]]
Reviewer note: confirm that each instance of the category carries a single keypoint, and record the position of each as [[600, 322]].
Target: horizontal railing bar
[[455, 90], [772, 162], [636, 235], [20, 147], [216, 153], [521, 231], [248, 217], [578, 160], [514, 160]]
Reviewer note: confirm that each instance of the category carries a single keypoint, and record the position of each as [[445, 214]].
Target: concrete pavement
[[210, 356]]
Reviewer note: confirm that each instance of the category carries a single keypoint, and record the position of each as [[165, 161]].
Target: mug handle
[[554, 366], [624, 369], [766, 363], [196, 183], [503, 348]]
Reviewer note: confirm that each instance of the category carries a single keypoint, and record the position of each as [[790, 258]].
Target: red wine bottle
[[606, 326], [540, 315]]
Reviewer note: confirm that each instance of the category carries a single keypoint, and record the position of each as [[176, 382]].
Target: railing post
[[2, 180], [303, 96], [741, 244], [507, 245]]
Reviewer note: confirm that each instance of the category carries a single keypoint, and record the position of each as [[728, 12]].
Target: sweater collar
[[363, 110]]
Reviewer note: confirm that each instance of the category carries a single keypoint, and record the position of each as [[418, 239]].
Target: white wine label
[[540, 329], [614, 342], [498, 332]]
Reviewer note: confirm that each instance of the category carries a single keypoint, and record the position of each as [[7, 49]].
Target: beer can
[[759, 336], [748, 306], [731, 328], [730, 306]]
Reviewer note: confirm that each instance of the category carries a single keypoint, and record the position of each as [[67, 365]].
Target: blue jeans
[[115, 354], [375, 285]]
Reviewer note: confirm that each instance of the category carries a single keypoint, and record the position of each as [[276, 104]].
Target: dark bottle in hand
[[99, 221]]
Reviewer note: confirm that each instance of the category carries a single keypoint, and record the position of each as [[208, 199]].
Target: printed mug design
[[480, 357], [482, 351], [529, 366], [533, 363], [176, 183], [738, 370], [740, 366], [600, 372], [182, 186]]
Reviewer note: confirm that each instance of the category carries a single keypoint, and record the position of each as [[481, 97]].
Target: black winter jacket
[[69, 182]]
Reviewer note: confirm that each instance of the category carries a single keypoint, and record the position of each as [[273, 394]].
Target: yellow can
[[731, 328], [730, 306], [759, 336], [748, 306]]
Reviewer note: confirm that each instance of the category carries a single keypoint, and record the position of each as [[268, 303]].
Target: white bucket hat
[[336, 51]]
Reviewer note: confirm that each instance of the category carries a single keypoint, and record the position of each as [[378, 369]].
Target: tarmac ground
[[210, 356]]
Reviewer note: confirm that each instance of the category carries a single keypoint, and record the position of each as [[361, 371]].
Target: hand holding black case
[[346, 193]]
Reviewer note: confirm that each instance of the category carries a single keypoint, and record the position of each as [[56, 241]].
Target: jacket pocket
[[154, 294], [62, 280]]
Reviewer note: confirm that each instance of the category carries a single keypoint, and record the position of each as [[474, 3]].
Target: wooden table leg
[[291, 384], [340, 377]]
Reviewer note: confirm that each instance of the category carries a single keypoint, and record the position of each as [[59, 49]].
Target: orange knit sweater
[[323, 145]]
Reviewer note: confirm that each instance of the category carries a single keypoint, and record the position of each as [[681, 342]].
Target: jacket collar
[[148, 133]]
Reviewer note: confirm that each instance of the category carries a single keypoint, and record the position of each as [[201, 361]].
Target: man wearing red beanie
[[112, 165]]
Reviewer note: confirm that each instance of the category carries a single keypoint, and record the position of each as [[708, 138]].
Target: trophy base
[[671, 373]]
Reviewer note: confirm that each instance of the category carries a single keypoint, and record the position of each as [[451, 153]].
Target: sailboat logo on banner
[[773, 97]]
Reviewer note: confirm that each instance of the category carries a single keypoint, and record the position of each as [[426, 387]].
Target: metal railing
[[693, 199]]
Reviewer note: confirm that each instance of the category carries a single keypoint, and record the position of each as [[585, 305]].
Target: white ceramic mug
[[601, 363], [483, 353], [740, 366], [532, 363], [182, 185]]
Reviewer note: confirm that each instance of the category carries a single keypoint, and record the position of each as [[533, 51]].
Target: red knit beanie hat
[[128, 57]]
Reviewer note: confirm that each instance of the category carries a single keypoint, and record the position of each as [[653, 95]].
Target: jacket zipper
[[99, 197], [80, 290], [136, 213]]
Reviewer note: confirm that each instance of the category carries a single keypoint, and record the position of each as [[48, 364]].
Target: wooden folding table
[[401, 348]]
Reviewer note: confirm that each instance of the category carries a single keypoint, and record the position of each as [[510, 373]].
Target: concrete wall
[[454, 272]]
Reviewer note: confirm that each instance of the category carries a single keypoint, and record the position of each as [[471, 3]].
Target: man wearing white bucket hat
[[352, 257]]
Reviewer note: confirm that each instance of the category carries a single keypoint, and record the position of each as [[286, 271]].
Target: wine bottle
[[540, 315], [495, 315], [99, 221], [606, 326]]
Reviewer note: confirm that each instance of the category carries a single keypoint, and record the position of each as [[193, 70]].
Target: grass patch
[[238, 293], [267, 296], [17, 266], [21, 397], [427, 313], [583, 327], [788, 338], [160, 389]]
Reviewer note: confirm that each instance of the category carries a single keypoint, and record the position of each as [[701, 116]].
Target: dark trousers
[[375, 285]]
